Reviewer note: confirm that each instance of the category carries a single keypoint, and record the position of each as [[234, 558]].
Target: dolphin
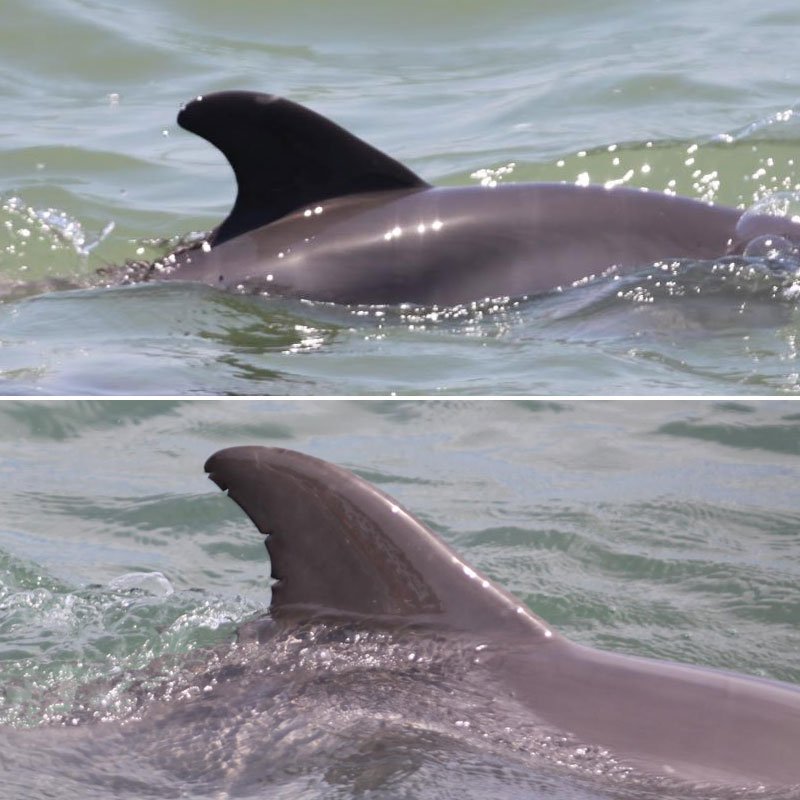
[[341, 548], [322, 215], [376, 627]]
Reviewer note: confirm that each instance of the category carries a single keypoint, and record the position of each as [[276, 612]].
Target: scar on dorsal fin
[[339, 545], [286, 157]]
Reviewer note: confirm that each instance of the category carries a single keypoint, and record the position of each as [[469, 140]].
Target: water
[[94, 171], [664, 529]]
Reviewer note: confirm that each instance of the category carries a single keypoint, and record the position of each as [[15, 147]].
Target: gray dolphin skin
[[340, 548], [322, 215]]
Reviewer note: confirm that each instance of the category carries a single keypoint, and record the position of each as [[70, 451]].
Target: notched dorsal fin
[[339, 545], [286, 157]]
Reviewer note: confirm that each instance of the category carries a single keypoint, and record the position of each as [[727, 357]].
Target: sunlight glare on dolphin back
[[765, 232]]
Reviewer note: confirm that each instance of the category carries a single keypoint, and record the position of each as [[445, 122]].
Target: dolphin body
[[440, 644], [322, 215], [339, 547]]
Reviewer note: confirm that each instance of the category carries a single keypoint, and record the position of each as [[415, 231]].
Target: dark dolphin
[[339, 547], [322, 215]]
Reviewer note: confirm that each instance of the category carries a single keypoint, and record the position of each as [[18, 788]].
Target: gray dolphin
[[339, 547], [322, 215]]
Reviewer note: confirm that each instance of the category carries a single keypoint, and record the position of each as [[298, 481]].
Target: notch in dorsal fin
[[286, 157], [339, 545]]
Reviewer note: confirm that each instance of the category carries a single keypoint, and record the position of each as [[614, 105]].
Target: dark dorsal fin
[[339, 545], [286, 157]]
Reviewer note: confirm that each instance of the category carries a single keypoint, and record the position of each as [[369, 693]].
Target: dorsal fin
[[339, 545], [286, 157]]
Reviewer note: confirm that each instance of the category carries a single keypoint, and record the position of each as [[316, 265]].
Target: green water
[[94, 170]]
